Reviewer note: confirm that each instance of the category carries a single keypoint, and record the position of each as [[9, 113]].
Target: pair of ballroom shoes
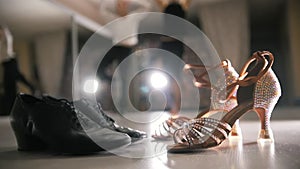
[[203, 131], [61, 126]]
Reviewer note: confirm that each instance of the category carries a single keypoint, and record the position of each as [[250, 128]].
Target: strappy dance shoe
[[207, 132], [167, 128]]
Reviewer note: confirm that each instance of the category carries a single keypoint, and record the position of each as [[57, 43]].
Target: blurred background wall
[[42, 32]]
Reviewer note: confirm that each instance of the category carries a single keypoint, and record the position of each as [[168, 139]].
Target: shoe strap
[[265, 57], [201, 80], [197, 131]]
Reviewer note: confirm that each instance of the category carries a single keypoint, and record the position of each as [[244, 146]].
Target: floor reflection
[[234, 153], [267, 151], [249, 155]]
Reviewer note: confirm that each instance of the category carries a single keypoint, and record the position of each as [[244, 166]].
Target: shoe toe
[[109, 139], [178, 148], [134, 134]]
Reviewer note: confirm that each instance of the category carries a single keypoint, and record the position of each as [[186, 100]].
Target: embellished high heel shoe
[[168, 127], [207, 132]]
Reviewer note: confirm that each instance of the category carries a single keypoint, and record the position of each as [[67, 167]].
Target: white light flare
[[90, 86], [158, 80]]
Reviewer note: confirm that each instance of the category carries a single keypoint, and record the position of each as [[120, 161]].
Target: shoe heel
[[265, 132], [25, 141], [23, 127], [236, 130], [28, 143]]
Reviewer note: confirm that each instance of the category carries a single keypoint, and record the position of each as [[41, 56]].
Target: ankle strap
[[264, 57], [200, 79]]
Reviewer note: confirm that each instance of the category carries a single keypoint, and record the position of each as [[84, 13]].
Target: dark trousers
[[116, 53], [11, 76]]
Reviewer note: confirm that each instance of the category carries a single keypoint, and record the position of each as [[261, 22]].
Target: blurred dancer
[[118, 9], [111, 10], [11, 72], [177, 8]]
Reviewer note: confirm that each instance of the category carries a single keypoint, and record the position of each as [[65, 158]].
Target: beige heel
[[265, 131], [236, 130]]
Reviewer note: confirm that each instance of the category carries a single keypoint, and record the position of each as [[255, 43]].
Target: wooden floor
[[235, 153]]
